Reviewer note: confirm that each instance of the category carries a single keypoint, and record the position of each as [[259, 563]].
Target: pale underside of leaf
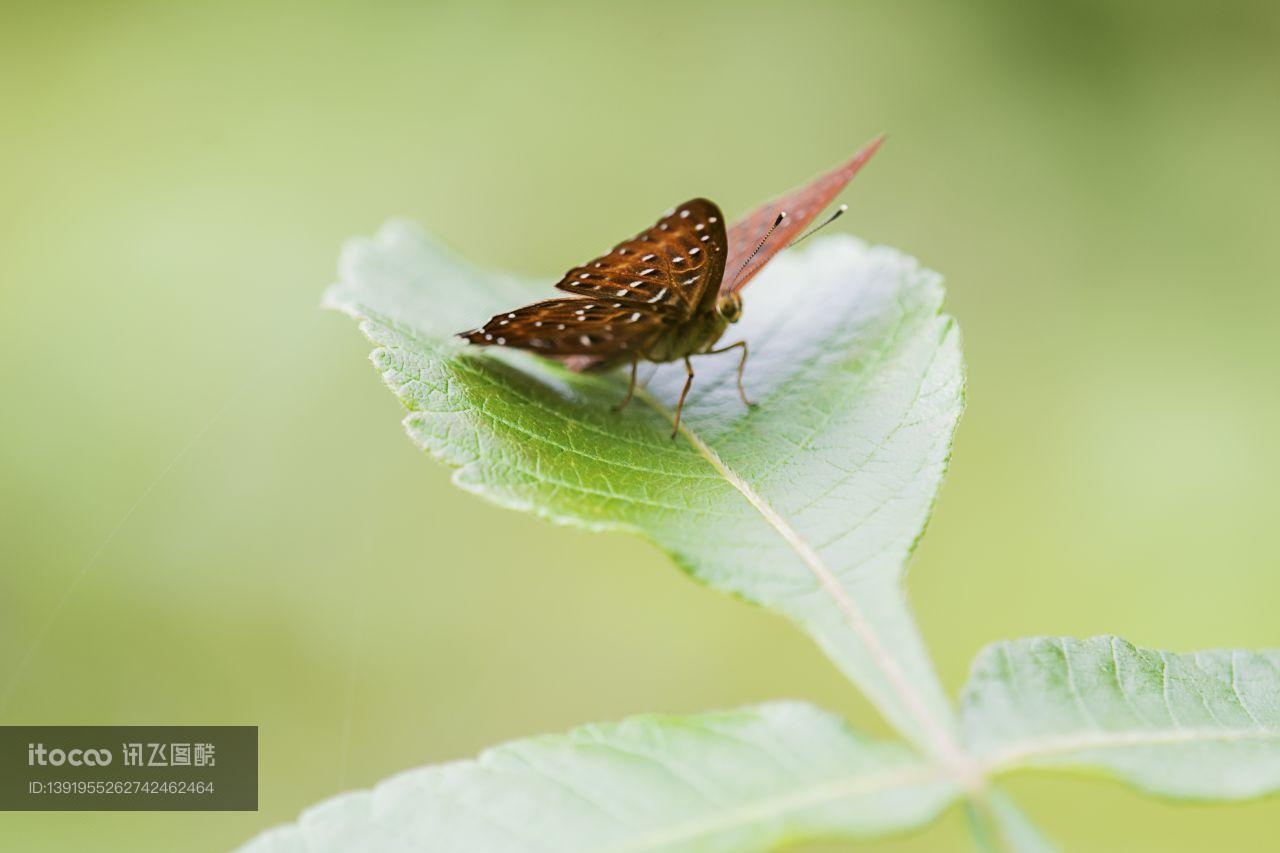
[[742, 780], [1202, 725], [810, 504]]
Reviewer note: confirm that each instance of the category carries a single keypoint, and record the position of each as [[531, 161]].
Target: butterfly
[[662, 295]]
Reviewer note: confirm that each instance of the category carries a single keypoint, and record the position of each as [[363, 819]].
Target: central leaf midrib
[[1031, 750], [947, 749], [767, 807]]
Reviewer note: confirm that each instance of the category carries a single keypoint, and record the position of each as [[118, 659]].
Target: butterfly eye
[[729, 306]]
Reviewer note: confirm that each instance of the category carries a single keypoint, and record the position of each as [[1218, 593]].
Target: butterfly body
[[662, 296], [695, 336]]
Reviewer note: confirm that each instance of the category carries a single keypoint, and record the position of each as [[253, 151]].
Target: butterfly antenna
[[814, 230], [765, 239]]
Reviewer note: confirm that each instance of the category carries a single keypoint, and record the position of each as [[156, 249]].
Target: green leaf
[[809, 504], [1202, 725], [734, 781]]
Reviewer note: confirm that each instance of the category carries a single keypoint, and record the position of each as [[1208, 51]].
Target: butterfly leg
[[631, 386], [688, 381], [742, 364]]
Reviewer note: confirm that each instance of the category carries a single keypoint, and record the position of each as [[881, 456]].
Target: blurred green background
[[210, 513]]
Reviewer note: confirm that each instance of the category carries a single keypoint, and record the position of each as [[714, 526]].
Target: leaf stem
[[982, 824]]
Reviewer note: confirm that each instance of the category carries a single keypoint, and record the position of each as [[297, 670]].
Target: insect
[[662, 295]]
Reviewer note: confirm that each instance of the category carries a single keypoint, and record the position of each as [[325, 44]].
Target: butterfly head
[[729, 306]]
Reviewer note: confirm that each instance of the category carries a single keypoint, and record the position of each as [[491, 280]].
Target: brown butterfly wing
[[625, 300], [574, 326], [801, 206], [671, 268]]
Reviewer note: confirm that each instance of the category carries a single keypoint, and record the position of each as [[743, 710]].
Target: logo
[[37, 755]]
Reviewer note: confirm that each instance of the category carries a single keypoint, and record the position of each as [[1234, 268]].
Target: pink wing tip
[[856, 162]]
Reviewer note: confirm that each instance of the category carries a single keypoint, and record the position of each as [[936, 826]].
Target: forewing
[[573, 326], [669, 268], [801, 205]]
